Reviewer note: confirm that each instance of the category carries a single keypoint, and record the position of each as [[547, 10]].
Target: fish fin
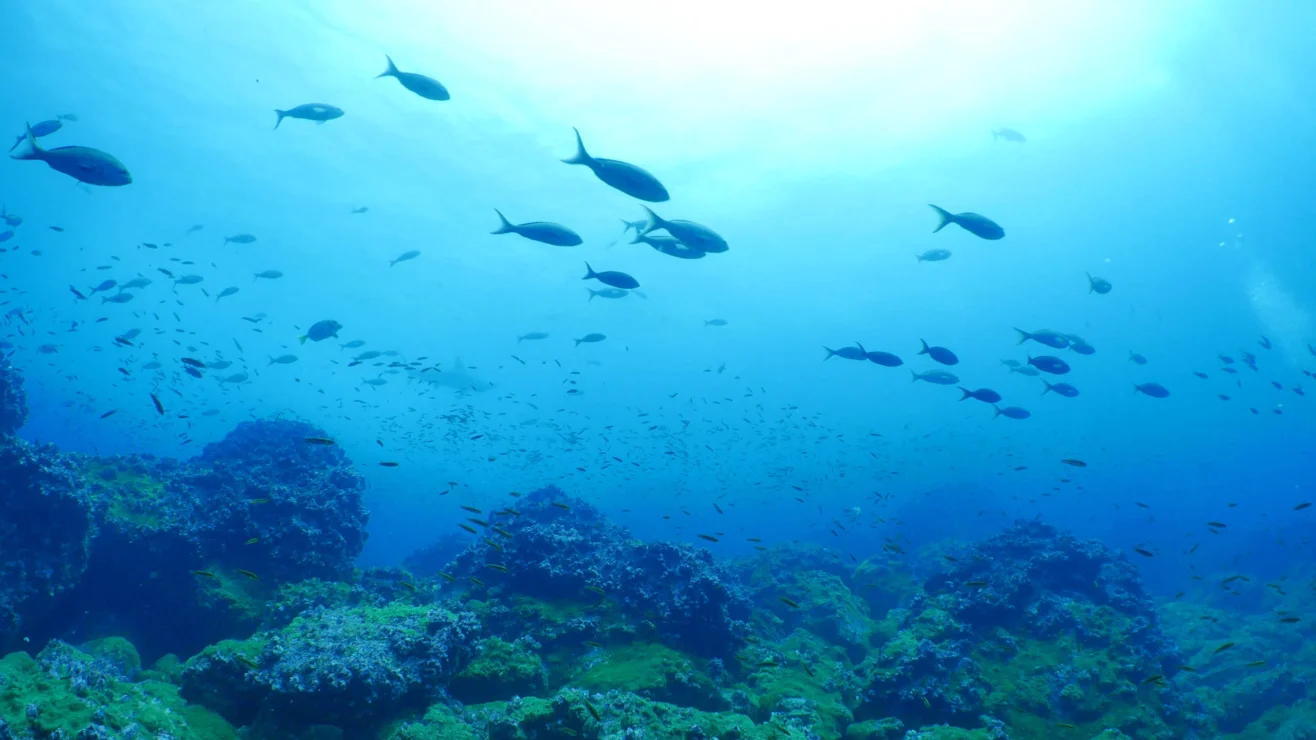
[[860, 345], [639, 238], [578, 341], [392, 70], [28, 147], [998, 411], [1023, 335], [918, 257], [301, 339], [1049, 387], [281, 114], [589, 272], [967, 393], [592, 293], [505, 227], [829, 352], [653, 223], [943, 214], [923, 351], [581, 156], [914, 379]]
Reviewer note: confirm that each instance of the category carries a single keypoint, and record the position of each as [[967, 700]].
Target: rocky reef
[[544, 620]]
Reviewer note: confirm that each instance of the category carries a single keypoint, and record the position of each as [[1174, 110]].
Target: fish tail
[[392, 70], [581, 156], [967, 393], [505, 227], [589, 272], [301, 339], [27, 147], [923, 351], [281, 115], [913, 379], [578, 341], [654, 221], [1136, 389], [1049, 387], [104, 299], [1023, 335], [829, 352], [918, 257], [943, 214], [1091, 286], [998, 411], [592, 293], [639, 238]]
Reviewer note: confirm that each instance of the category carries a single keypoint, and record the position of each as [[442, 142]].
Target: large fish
[[624, 176], [82, 163]]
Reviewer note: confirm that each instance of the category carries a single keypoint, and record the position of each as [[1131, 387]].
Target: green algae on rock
[[499, 671]]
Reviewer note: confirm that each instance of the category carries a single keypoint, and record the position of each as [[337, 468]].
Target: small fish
[[715, 322], [933, 255], [1290, 620], [84, 164], [1303, 505], [545, 232], [610, 293], [975, 584], [708, 537], [975, 224], [388, 464], [561, 505], [885, 359], [252, 541], [592, 711], [362, 209], [1142, 552], [319, 441], [628, 178], [1012, 412], [591, 338], [424, 86], [1155, 390], [159, 407], [857, 352], [1223, 647], [1061, 389], [936, 377], [612, 278], [405, 256], [986, 395], [692, 235], [321, 330], [532, 336], [1049, 364], [240, 239], [408, 585], [1074, 462], [203, 573], [1008, 134], [225, 293], [248, 574], [939, 354], [283, 360], [494, 566], [318, 112], [1153, 679], [788, 602], [1136, 358], [1100, 286], [117, 298]]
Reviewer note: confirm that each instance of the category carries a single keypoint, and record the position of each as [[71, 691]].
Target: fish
[[240, 239], [613, 293], [715, 322], [225, 293], [319, 441], [1290, 620], [84, 164], [591, 338], [628, 178], [1303, 505], [670, 246], [362, 209], [283, 360], [77, 294], [411, 255], [708, 537], [593, 712], [933, 255], [1011, 412], [494, 566], [135, 283], [789, 602], [457, 377], [691, 234], [939, 354], [117, 298], [1136, 358], [318, 112], [1155, 390], [856, 352], [321, 330], [975, 584], [39, 129], [1142, 552], [188, 280], [108, 414], [1100, 286], [353, 344], [1008, 134], [248, 574], [424, 86], [1053, 339], [159, 407], [545, 232], [1062, 389], [1049, 364], [885, 359], [1223, 647], [986, 395], [1074, 462], [203, 573], [612, 278], [978, 225], [936, 377], [103, 286], [560, 505]]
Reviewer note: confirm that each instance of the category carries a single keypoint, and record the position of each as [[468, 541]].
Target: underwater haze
[[940, 356]]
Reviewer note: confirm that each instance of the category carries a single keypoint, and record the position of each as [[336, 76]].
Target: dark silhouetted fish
[[545, 232], [628, 178], [1155, 390], [1098, 285], [939, 354], [82, 163], [975, 224], [1049, 364], [689, 233], [611, 277], [1008, 134], [426, 87], [986, 395], [318, 112]]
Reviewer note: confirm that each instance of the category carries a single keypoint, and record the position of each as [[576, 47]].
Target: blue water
[[1168, 150]]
